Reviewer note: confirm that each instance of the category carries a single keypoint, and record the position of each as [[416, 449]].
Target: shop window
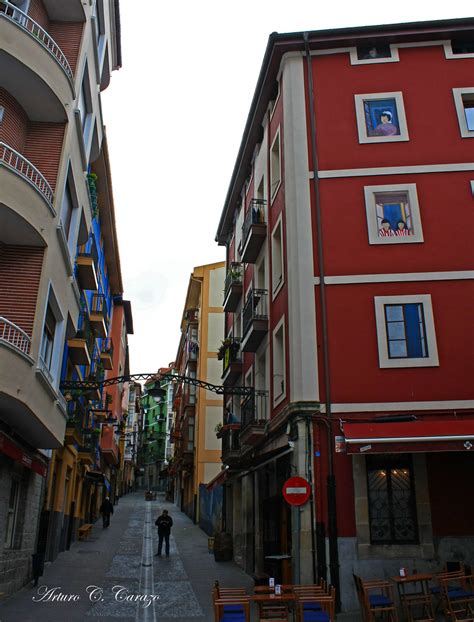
[[393, 214], [405, 331], [464, 102], [374, 53], [275, 165], [381, 117], [12, 514], [391, 496]]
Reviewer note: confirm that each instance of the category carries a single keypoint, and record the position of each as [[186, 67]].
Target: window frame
[[432, 360], [371, 215], [279, 328], [394, 58], [460, 110], [359, 100], [450, 55], [274, 190], [10, 527], [51, 371], [276, 287], [391, 463]]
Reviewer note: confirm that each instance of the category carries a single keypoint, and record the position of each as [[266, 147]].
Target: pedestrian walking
[[106, 509], [164, 522]]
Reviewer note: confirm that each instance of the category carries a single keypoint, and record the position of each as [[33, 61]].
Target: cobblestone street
[[104, 573]]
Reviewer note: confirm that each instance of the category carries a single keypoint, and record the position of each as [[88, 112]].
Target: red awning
[[25, 458], [412, 436], [219, 479]]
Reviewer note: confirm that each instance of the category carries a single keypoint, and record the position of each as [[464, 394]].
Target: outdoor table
[[411, 600], [273, 599]]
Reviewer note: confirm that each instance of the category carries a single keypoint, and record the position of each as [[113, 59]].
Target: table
[[265, 601], [412, 601]]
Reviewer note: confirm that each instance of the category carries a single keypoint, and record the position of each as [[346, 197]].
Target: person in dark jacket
[[164, 524], [106, 509]]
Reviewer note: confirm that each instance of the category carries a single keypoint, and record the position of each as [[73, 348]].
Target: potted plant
[[218, 429]]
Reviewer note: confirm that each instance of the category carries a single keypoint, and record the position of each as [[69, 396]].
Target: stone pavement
[[103, 577]]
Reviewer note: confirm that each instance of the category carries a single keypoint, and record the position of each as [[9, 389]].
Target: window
[[50, 352], [459, 48], [392, 509], [464, 102], [12, 514], [70, 213], [84, 107], [277, 259], [393, 214], [47, 342], [279, 375], [381, 117], [275, 165], [405, 331], [374, 53]]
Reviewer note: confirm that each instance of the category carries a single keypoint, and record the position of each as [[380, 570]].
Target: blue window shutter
[[412, 325]]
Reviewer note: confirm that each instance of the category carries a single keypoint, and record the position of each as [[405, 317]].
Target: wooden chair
[[84, 531], [438, 578], [227, 597], [316, 604], [457, 597], [378, 605]]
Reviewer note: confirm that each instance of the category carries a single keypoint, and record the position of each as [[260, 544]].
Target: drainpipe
[[331, 481]]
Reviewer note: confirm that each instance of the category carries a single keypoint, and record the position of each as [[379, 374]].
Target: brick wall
[[20, 272], [43, 148], [37, 12], [68, 36], [15, 122]]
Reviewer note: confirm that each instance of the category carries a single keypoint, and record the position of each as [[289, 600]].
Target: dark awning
[[413, 436]]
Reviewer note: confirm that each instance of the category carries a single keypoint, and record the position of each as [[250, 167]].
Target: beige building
[[197, 455]]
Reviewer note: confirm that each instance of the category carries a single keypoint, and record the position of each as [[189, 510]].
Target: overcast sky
[[175, 113]]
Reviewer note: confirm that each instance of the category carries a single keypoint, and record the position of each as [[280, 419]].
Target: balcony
[[98, 315], [254, 231], [231, 454], [81, 346], [233, 287], [88, 448], [254, 417], [254, 320], [232, 361], [27, 171], [86, 272], [107, 353], [13, 336], [108, 446]]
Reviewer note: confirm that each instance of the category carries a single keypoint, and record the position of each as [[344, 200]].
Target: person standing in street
[[106, 509], [164, 522]]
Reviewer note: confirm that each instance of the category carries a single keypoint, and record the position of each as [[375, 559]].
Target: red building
[[348, 293]]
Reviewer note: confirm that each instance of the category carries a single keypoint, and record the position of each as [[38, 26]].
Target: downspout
[[331, 482]]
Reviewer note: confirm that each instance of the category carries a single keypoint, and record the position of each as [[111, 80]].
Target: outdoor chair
[[309, 595], [438, 578], [227, 597], [457, 597], [378, 605], [316, 605]]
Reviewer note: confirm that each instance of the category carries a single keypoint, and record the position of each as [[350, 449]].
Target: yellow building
[[197, 451]]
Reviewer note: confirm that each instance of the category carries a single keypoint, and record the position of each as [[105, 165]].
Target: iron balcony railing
[[14, 335], [85, 332], [234, 277], [88, 250], [23, 20], [107, 347], [99, 305], [255, 308], [230, 440], [23, 167], [232, 354], [254, 408], [255, 216]]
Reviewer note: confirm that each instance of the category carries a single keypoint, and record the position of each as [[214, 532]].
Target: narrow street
[[103, 576]]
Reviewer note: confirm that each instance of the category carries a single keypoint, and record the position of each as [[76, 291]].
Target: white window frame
[[52, 372], [278, 397], [360, 116], [458, 102], [394, 58], [384, 361], [370, 210], [275, 101], [276, 286], [275, 183], [450, 55]]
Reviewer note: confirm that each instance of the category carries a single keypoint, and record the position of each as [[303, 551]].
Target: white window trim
[[384, 361], [394, 58], [277, 399], [457, 94], [277, 98], [362, 128], [374, 238], [52, 373], [276, 290], [274, 191], [450, 55]]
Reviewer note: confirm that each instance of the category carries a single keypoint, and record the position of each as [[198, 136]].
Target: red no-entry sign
[[296, 491]]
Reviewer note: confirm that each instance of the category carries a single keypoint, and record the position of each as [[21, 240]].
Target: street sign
[[296, 491]]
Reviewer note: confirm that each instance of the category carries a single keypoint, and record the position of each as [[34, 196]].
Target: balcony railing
[[232, 354], [234, 277], [23, 20], [99, 305], [254, 216], [23, 167], [254, 408], [14, 335], [255, 308], [230, 439], [107, 347]]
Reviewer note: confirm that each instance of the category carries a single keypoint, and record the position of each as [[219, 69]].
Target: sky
[[174, 115]]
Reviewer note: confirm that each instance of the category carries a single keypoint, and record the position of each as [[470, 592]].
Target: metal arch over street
[[85, 385]]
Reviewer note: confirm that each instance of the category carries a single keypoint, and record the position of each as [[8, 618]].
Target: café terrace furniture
[[415, 596], [457, 598], [376, 599]]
